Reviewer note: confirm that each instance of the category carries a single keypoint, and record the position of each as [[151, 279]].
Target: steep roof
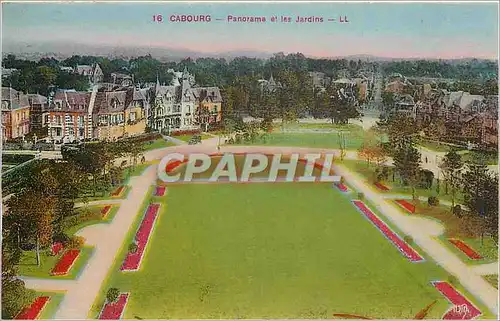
[[15, 98]]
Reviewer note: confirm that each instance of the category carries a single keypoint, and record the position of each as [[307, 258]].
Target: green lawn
[[313, 140], [434, 146], [158, 143], [492, 279], [278, 250], [368, 172], [490, 158]]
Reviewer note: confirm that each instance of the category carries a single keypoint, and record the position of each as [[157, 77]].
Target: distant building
[[6, 72], [93, 73], [15, 114], [122, 79]]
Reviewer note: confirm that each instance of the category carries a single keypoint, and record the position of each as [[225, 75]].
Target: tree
[[407, 164], [342, 145], [34, 213], [480, 189], [451, 168]]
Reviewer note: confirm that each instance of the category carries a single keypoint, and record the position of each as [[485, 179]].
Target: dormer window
[[114, 103]]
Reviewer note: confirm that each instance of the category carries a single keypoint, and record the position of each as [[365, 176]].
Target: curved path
[[108, 239]]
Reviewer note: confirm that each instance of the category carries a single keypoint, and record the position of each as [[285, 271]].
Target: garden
[[293, 251]]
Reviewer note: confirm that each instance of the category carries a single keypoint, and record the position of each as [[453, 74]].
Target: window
[[132, 116]]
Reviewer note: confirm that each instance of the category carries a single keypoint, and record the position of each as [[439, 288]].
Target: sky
[[411, 30]]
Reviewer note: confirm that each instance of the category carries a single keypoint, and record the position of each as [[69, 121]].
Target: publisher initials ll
[[343, 19]]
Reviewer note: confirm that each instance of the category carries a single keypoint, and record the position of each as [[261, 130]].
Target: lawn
[[157, 143], [489, 157], [492, 279], [313, 140], [434, 146], [368, 172], [269, 251]]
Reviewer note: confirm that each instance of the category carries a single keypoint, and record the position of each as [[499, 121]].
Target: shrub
[[433, 201], [112, 294], [132, 248], [361, 196], [457, 211], [185, 132], [408, 239], [452, 279], [76, 242], [61, 238]]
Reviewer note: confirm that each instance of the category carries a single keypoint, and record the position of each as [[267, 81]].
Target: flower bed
[[402, 246], [133, 260], [466, 249], [117, 192], [114, 310], [56, 248], [105, 210], [342, 187], [66, 262], [462, 308], [33, 311], [406, 205], [173, 165], [160, 190], [382, 187]]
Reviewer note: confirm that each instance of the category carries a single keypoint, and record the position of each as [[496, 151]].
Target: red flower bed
[[466, 249], [403, 247], [66, 262], [462, 308], [160, 190], [118, 191], [105, 210], [114, 311], [57, 248], [173, 165], [406, 205], [133, 260], [382, 187], [33, 311], [185, 132], [342, 187]]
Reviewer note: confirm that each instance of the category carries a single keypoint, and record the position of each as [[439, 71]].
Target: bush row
[[185, 132]]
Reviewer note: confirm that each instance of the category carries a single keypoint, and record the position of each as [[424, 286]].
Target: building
[[6, 72], [119, 113], [122, 79], [269, 86], [183, 106], [15, 114], [38, 104], [93, 73], [319, 79], [66, 116]]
